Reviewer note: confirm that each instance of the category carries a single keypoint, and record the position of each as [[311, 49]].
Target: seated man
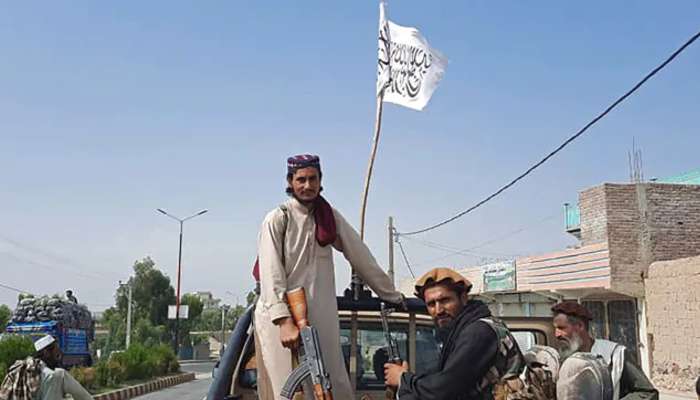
[[477, 350], [571, 321], [55, 382]]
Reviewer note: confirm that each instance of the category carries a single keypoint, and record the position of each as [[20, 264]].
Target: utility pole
[[128, 311], [224, 309], [128, 316], [391, 249]]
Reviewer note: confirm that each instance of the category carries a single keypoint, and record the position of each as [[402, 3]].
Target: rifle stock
[[311, 362], [296, 299]]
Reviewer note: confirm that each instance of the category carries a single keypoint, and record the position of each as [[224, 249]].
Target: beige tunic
[[56, 383], [291, 258]]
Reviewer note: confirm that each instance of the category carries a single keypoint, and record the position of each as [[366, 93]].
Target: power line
[[73, 271], [405, 259], [14, 289], [67, 263], [454, 250], [468, 250], [566, 143]]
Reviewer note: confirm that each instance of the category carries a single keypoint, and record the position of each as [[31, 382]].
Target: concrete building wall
[[673, 322]]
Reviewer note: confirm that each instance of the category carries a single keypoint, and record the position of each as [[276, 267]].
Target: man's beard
[[52, 362], [570, 346], [442, 332]]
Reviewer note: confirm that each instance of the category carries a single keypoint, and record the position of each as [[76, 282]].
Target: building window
[[623, 325], [615, 320], [597, 325]]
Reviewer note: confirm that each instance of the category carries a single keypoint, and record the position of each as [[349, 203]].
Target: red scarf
[[326, 232]]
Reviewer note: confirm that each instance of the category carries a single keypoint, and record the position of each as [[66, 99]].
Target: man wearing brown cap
[[477, 349], [571, 323], [295, 250]]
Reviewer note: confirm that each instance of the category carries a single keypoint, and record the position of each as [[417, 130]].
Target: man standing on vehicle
[[571, 321], [70, 297], [295, 250], [477, 350]]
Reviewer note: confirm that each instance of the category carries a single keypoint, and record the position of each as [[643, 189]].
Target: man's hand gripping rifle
[[310, 360], [392, 347]]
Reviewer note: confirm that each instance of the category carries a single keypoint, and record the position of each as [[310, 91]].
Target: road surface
[[197, 368], [195, 390]]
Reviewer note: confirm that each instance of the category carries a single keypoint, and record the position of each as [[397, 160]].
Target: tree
[[115, 323], [210, 320], [195, 310], [151, 293], [250, 298], [151, 296], [5, 314], [145, 333]]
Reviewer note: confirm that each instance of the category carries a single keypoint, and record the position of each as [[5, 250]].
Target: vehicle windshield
[[371, 351]]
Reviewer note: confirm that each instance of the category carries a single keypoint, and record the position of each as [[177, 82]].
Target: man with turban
[[294, 250]]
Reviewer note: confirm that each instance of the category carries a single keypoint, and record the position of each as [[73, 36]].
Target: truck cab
[[363, 346]]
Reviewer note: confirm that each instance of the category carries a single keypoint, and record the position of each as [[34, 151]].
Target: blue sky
[[108, 111]]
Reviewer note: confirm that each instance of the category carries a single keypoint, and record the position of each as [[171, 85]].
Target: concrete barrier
[[148, 387]]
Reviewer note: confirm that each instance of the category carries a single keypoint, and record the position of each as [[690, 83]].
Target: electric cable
[[563, 145]]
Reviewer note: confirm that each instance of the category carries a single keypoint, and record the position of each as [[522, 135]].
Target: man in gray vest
[[571, 323]]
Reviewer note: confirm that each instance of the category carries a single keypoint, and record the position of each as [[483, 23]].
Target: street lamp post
[[224, 310], [179, 272]]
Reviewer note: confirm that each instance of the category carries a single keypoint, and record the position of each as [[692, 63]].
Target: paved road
[[195, 390], [198, 368]]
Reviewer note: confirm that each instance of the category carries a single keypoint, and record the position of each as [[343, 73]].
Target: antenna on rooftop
[[636, 165]]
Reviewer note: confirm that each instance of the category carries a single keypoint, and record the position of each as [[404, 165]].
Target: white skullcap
[[44, 342]]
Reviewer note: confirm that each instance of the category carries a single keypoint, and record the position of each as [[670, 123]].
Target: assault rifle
[[310, 359], [392, 347]]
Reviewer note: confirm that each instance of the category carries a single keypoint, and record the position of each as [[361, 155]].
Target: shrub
[[13, 348], [85, 376], [164, 359], [110, 373], [136, 363]]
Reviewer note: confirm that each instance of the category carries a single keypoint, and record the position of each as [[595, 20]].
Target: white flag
[[408, 70]]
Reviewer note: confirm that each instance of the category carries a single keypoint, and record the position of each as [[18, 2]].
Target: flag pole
[[356, 282], [370, 166]]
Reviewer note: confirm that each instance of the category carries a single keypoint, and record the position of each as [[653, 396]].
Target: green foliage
[[110, 373], [5, 314], [210, 319], [137, 363], [151, 293], [13, 348], [250, 298], [115, 323], [85, 376], [148, 335], [195, 310], [163, 359]]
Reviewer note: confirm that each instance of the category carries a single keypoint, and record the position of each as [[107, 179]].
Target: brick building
[[622, 229]]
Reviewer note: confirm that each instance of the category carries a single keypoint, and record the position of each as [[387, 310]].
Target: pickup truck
[[363, 346], [73, 342]]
